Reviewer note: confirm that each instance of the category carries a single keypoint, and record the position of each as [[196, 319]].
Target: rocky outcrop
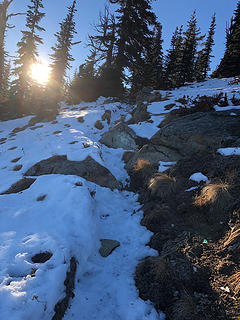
[[120, 136], [199, 132], [153, 154], [88, 169]]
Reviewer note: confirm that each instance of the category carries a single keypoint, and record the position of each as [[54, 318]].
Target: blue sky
[[170, 13]]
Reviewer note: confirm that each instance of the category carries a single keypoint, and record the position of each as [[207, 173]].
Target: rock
[[140, 114], [107, 247], [19, 186], [80, 119], [88, 169], [155, 96], [98, 124], [120, 136], [107, 116], [199, 132], [153, 154], [143, 95]]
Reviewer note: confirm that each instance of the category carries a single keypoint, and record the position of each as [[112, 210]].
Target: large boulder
[[88, 169], [153, 154], [140, 113], [199, 132], [120, 136]]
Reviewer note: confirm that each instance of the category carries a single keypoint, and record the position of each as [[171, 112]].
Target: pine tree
[[103, 43], [153, 64], [204, 57], [230, 63], [190, 43], [27, 50], [135, 25], [61, 55], [173, 62], [4, 64]]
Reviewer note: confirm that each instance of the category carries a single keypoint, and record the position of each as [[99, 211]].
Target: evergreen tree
[[61, 55], [190, 43], [153, 61], [27, 50], [135, 25], [103, 43], [204, 57], [173, 62], [4, 64], [230, 63]]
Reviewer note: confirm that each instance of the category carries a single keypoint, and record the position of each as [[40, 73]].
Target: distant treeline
[[125, 55]]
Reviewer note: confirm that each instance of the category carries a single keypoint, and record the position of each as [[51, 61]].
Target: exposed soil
[[197, 236]]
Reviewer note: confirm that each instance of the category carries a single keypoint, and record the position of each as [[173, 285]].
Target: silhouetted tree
[[204, 57], [27, 51], [61, 56], [173, 62], [230, 63], [4, 64]]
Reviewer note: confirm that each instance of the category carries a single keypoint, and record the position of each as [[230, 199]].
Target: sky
[[170, 13]]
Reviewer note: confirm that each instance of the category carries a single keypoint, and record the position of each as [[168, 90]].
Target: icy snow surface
[[229, 151], [70, 221], [198, 177]]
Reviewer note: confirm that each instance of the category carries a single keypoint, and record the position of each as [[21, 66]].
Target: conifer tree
[[204, 57], [135, 25], [153, 61], [230, 63], [4, 64], [190, 43], [61, 56], [173, 62], [27, 50]]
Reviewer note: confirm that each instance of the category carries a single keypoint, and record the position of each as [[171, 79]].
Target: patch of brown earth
[[197, 236]]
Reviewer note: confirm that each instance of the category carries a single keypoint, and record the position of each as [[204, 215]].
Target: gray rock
[[140, 113], [120, 136], [153, 154], [88, 169], [199, 132], [108, 246]]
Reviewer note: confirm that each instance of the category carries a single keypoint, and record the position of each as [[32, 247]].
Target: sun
[[40, 72]]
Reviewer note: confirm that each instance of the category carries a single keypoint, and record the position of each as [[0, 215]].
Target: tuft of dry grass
[[234, 236], [215, 194], [162, 186], [142, 164], [234, 282]]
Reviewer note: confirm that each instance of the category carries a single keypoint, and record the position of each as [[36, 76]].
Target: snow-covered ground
[[75, 214], [70, 221], [210, 87]]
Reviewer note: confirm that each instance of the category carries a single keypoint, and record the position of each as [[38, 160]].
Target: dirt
[[197, 236]]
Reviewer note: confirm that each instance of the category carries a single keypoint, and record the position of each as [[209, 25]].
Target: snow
[[165, 165], [198, 177], [192, 188], [229, 151], [70, 221], [217, 108]]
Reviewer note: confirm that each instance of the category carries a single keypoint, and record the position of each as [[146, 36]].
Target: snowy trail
[[106, 289]]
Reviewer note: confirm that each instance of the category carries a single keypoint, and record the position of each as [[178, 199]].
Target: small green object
[[205, 241]]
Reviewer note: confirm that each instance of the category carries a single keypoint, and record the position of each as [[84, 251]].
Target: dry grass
[[142, 164], [233, 235], [162, 186], [216, 195], [234, 282], [184, 308]]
